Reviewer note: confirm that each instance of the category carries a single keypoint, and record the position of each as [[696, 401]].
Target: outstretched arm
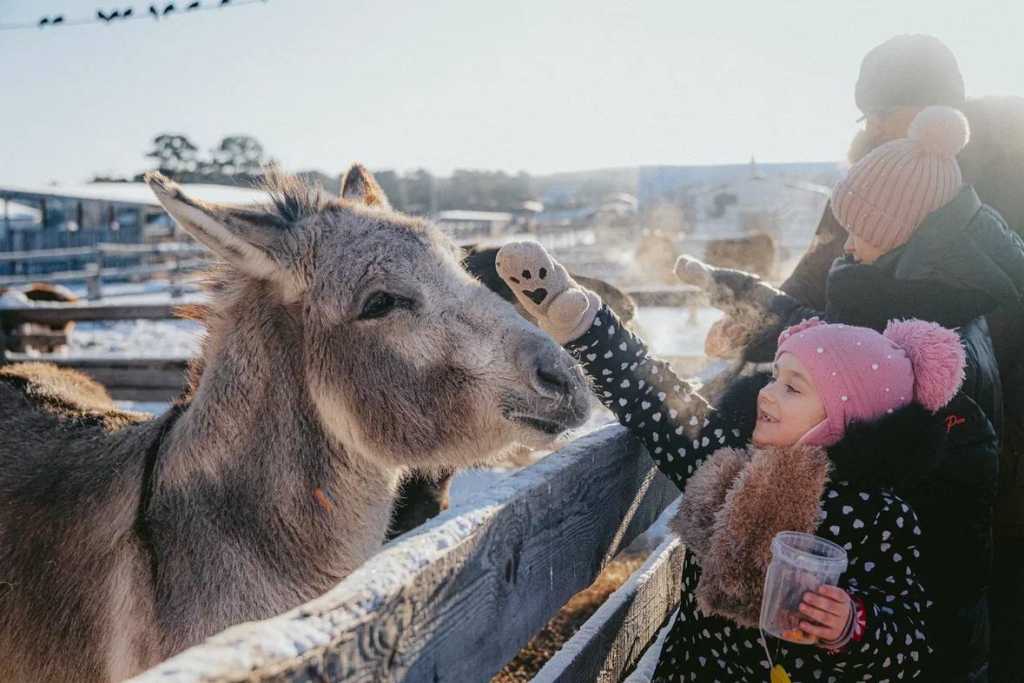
[[678, 427], [751, 304]]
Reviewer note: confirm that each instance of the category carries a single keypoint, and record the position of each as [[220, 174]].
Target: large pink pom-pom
[[940, 130], [937, 357], [805, 324]]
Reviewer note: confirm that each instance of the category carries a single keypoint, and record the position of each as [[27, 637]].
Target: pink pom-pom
[[936, 356], [799, 327], [940, 130]]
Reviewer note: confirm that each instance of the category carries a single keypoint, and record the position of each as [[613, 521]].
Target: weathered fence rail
[[126, 379], [611, 642], [459, 597], [175, 258]]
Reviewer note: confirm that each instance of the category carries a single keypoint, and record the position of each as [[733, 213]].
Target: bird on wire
[[170, 8], [127, 13], [154, 11], [193, 5]]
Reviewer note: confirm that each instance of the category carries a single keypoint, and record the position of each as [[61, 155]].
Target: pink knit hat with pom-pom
[[860, 375], [886, 195]]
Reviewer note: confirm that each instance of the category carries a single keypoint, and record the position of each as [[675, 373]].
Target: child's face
[[861, 251], [789, 407]]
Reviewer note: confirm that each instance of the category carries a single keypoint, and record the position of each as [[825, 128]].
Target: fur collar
[[731, 510]]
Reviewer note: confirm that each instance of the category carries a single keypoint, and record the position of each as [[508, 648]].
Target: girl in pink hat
[[850, 413]]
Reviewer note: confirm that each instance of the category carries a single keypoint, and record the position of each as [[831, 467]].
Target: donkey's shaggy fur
[[345, 344]]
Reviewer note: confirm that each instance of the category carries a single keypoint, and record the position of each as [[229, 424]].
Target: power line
[[154, 11]]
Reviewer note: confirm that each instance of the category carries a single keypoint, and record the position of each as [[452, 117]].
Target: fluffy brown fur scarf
[[732, 508]]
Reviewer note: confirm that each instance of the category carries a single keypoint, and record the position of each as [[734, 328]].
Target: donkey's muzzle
[[557, 381]]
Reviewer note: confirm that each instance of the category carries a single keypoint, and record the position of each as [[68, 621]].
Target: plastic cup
[[800, 563]]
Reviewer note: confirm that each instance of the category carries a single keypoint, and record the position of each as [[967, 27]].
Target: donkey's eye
[[379, 304]]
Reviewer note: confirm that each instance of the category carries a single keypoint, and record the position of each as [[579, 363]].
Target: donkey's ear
[[249, 239], [359, 185]]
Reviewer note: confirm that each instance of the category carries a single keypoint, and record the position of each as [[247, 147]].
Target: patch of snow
[[153, 408], [136, 339], [671, 331]]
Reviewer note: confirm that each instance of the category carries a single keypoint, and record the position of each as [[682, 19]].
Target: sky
[[534, 85]]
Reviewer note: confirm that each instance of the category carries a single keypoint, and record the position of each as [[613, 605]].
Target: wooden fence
[[456, 599], [127, 379], [172, 258]]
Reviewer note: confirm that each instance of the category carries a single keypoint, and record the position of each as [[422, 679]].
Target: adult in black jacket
[[898, 79]]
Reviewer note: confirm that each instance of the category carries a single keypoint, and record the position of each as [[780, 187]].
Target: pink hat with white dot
[[860, 375]]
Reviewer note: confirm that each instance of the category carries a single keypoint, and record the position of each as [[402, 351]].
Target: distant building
[[66, 216], [468, 226]]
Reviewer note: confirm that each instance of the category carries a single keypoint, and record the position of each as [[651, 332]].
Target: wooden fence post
[[174, 277], [93, 282]]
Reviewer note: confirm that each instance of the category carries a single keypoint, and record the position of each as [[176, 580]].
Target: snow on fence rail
[[456, 599]]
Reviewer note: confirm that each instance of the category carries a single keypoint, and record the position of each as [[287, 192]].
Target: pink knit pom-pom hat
[[886, 195], [860, 375]]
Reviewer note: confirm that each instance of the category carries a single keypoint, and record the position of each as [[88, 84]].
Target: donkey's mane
[[292, 198]]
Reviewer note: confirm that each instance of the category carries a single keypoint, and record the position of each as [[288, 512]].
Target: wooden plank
[[106, 362], [48, 254], [612, 641], [162, 248], [58, 314], [113, 272], [172, 379], [153, 395], [127, 379], [456, 599]]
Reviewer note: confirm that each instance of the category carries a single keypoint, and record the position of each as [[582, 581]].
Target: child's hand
[[742, 296], [828, 613], [563, 308]]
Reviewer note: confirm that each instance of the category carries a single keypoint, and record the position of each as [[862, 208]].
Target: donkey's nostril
[[553, 378]]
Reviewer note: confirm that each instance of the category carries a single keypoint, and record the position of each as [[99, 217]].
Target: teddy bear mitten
[[543, 287]]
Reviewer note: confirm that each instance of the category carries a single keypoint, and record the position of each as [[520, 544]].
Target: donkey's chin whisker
[[538, 423]]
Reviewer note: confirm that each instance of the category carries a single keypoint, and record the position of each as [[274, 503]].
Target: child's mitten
[[741, 295], [563, 308]]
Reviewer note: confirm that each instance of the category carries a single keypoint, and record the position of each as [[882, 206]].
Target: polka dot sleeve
[[885, 584], [677, 426]]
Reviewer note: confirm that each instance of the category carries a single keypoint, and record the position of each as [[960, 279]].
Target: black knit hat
[[909, 70]]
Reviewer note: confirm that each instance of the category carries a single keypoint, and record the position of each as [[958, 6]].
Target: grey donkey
[[345, 344]]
